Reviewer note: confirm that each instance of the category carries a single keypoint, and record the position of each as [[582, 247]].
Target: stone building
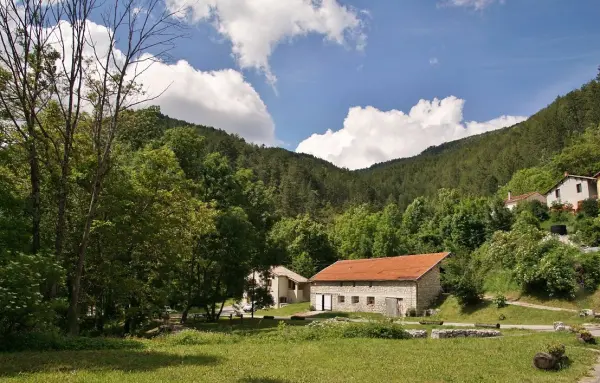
[[391, 286], [285, 286]]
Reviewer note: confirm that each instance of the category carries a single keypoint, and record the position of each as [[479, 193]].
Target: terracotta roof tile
[[406, 267], [521, 197]]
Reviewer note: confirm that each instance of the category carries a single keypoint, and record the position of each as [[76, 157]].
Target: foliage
[[537, 208], [587, 231], [589, 207], [557, 350], [500, 301], [463, 281], [587, 268], [52, 340], [23, 277]]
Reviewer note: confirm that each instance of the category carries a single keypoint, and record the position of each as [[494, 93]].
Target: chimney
[[509, 195]]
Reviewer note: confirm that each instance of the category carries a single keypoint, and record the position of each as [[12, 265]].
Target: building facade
[[285, 286], [512, 201], [573, 190], [391, 286]]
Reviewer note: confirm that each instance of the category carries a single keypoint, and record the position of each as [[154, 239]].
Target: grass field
[[288, 310], [253, 360], [487, 312]]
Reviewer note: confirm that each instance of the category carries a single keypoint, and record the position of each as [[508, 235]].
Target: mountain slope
[[478, 165]]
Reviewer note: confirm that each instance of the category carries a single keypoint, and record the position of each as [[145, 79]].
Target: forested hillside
[[477, 165]]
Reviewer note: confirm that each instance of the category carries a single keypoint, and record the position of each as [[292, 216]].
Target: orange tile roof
[[406, 267], [521, 197]]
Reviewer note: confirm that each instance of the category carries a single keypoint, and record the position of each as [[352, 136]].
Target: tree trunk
[[73, 313], [184, 315], [36, 214]]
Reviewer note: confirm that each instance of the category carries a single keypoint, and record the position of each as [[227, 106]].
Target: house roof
[[282, 271], [570, 176], [406, 267], [597, 175], [521, 197]]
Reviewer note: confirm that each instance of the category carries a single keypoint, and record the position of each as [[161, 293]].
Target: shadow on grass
[[471, 309], [256, 325], [123, 360]]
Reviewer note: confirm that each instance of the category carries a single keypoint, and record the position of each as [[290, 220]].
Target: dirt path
[[534, 306]]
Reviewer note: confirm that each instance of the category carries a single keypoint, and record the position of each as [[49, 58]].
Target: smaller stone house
[[391, 286], [284, 285], [512, 201], [573, 190]]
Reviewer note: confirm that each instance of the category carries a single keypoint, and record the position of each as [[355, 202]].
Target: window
[[341, 299], [557, 193], [291, 285], [370, 300], [578, 188], [353, 284], [341, 284], [370, 284], [268, 283], [355, 299], [282, 299]]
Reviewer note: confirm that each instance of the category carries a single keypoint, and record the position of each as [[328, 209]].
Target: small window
[[291, 285], [579, 188], [557, 193], [341, 299], [353, 284], [370, 300], [370, 284], [341, 284], [268, 283], [355, 299], [282, 299]]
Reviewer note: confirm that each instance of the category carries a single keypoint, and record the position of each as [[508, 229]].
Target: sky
[[357, 82]]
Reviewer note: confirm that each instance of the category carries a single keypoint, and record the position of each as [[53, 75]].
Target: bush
[[558, 272], [587, 268], [587, 231], [500, 301], [537, 208], [589, 208], [22, 280], [557, 350], [462, 280]]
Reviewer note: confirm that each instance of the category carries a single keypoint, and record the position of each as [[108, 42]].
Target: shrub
[[587, 231], [587, 268], [500, 301], [374, 330], [589, 207], [22, 280], [558, 272], [462, 280], [537, 208], [557, 350]]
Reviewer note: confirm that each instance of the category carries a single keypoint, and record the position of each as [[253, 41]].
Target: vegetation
[[212, 357], [287, 310]]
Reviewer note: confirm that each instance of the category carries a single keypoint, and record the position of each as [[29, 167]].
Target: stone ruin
[[464, 333]]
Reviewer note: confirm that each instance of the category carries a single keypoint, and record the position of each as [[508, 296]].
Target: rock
[[466, 333], [417, 333], [559, 326], [586, 313], [544, 361]]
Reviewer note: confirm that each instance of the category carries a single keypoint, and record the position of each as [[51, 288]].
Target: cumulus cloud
[[434, 61], [370, 135], [255, 28], [475, 4], [223, 98]]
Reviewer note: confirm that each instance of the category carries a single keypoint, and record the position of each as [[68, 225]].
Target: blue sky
[[497, 58]]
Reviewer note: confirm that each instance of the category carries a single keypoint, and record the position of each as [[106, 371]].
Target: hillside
[[477, 165]]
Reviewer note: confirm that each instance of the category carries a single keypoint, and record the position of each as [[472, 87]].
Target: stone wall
[[428, 289], [464, 333], [378, 290]]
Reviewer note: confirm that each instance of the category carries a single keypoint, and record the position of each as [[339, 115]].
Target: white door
[[319, 302], [327, 302]]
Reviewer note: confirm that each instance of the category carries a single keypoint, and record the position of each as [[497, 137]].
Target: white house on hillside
[[573, 190], [284, 285]]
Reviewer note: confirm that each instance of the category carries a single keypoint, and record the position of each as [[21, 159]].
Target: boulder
[[559, 326], [586, 313], [544, 361]]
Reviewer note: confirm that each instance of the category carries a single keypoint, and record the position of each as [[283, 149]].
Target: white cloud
[[475, 4], [434, 61], [370, 135], [222, 98], [256, 27]]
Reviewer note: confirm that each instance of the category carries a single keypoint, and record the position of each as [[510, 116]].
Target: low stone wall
[[417, 333], [466, 333]]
